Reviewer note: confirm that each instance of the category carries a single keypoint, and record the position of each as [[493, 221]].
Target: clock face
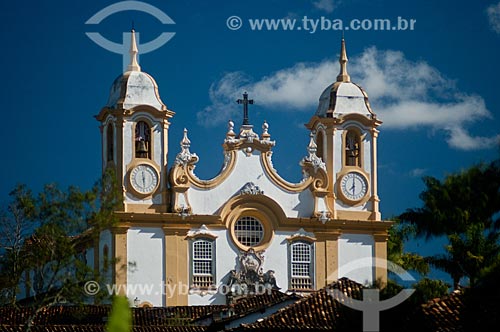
[[354, 186], [144, 179]]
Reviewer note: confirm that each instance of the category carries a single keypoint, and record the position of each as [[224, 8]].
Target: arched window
[[105, 258], [142, 140], [301, 266], [109, 143], [319, 144], [352, 149], [203, 263]]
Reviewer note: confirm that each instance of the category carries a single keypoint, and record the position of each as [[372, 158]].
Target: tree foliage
[[398, 234], [44, 238], [465, 207]]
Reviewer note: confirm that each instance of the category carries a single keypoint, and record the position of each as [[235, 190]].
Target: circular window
[[249, 231]]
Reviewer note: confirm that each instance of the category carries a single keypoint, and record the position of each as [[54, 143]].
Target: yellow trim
[[374, 199], [332, 259], [266, 210], [182, 177], [326, 257], [119, 254], [201, 236], [266, 224], [145, 304], [176, 266], [278, 180], [360, 118], [144, 208], [317, 182], [120, 111], [214, 182], [280, 222], [380, 251], [320, 264], [247, 147], [299, 237], [164, 114]]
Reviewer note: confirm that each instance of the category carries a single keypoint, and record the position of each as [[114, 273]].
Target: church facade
[[182, 240]]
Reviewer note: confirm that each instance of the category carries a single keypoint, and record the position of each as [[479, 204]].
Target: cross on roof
[[245, 101]]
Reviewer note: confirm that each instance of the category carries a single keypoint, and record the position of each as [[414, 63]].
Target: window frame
[[192, 280], [250, 233], [294, 280]]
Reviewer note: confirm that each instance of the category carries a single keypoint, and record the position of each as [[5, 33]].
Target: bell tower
[[134, 129], [345, 131]]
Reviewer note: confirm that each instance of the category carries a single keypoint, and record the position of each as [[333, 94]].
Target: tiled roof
[[168, 315], [99, 328], [443, 314], [319, 311], [316, 312], [97, 315], [257, 302], [249, 304]]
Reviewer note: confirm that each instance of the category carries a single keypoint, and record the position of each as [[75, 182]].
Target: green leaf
[[120, 319]]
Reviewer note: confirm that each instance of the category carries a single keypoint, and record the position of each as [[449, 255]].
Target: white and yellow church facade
[[192, 241]]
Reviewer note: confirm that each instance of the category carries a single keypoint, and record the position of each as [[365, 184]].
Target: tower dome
[[134, 87], [343, 96]]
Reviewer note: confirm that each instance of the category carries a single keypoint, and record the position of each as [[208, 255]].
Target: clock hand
[[143, 179], [353, 188]]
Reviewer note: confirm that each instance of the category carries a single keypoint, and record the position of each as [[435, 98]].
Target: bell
[[141, 149]]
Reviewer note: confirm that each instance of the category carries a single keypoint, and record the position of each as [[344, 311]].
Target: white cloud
[[223, 95], [493, 12], [325, 5], [417, 172], [461, 139], [403, 93]]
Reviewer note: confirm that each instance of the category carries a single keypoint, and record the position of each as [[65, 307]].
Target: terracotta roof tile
[[443, 314], [97, 315], [318, 311], [99, 328]]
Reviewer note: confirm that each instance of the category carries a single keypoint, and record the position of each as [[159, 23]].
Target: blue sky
[[434, 87]]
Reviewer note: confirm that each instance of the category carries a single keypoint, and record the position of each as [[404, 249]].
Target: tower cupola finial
[[134, 65], [343, 75]]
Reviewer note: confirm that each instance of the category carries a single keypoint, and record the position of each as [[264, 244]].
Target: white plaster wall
[[367, 153], [249, 169], [145, 248], [158, 152], [127, 144], [338, 151], [276, 258], [351, 249]]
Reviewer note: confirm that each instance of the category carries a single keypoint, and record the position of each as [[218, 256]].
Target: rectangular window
[[202, 263], [301, 266]]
